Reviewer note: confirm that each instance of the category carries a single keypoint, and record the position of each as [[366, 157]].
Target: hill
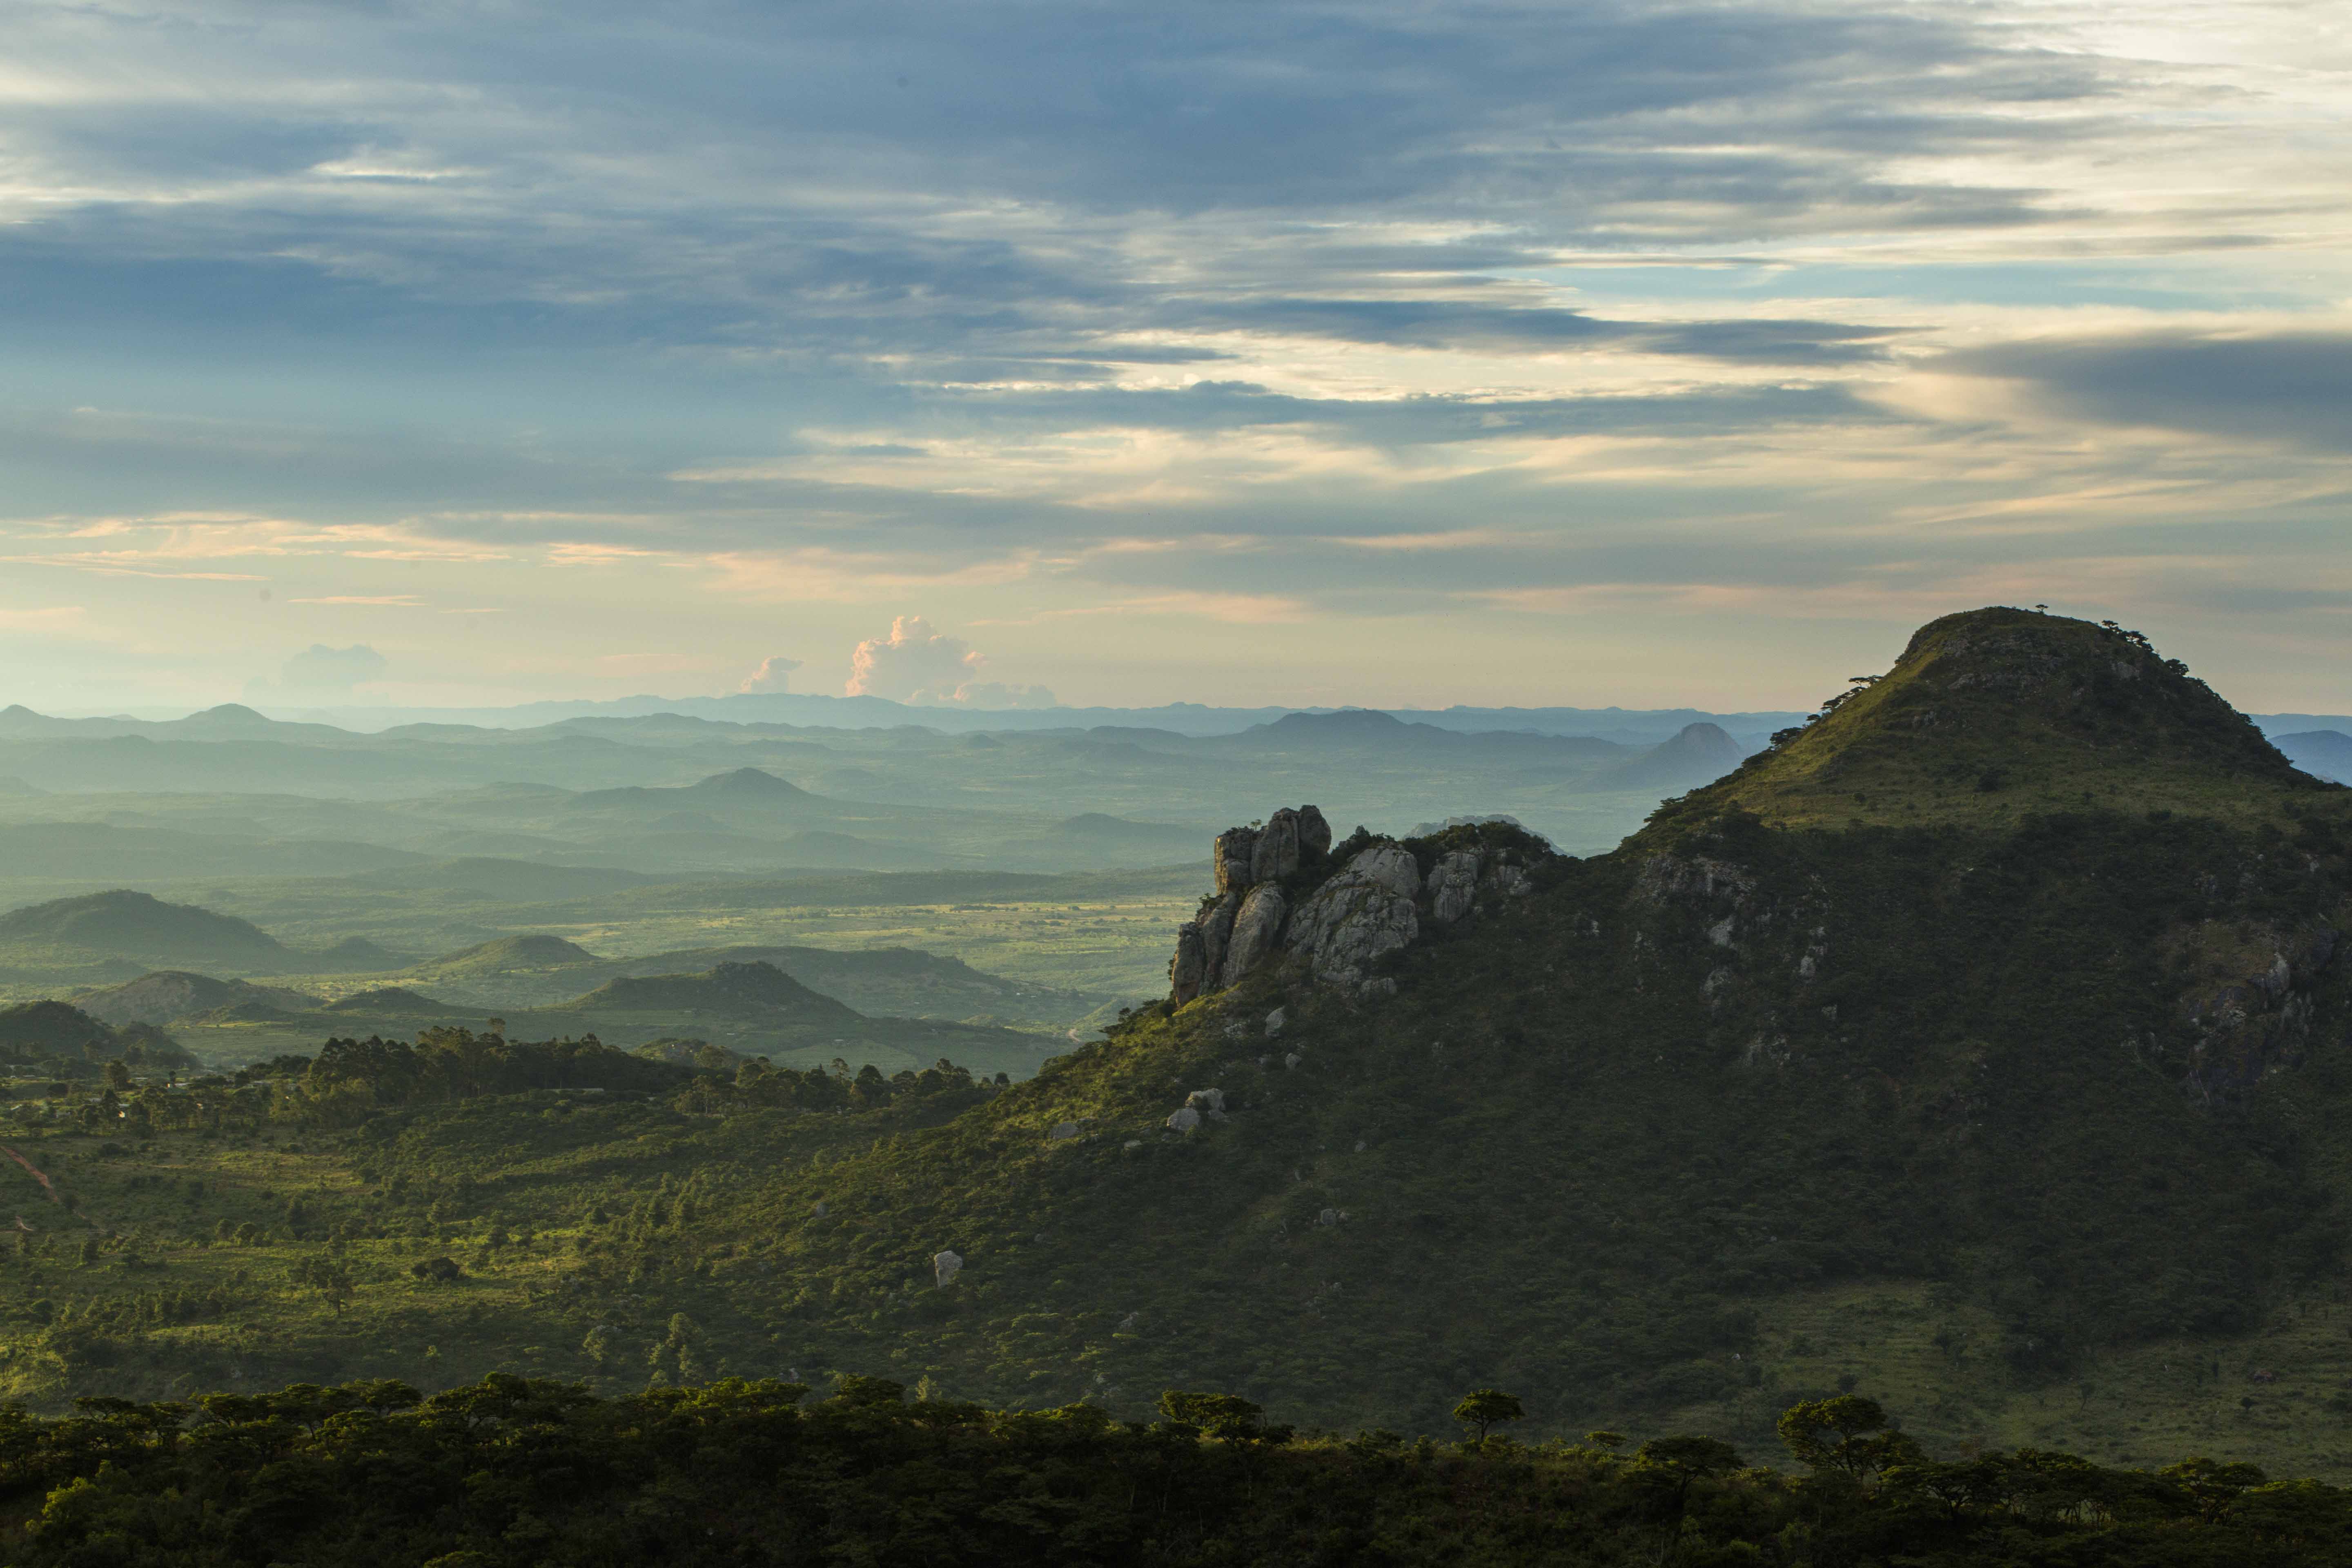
[[2323, 753], [747, 991], [167, 995], [2027, 1115], [391, 1000], [1998, 715], [138, 925], [509, 956], [1700, 754], [37, 1029], [2050, 1082], [52, 1036]]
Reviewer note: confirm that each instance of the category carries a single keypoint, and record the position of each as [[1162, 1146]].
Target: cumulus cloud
[[770, 675], [916, 664]]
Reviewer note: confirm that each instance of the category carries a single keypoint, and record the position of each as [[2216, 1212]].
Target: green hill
[[52, 1036], [1996, 715], [391, 1000], [168, 995], [759, 992], [135, 925], [507, 956]]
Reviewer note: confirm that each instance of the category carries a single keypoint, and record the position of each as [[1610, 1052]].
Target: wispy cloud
[[1231, 318]]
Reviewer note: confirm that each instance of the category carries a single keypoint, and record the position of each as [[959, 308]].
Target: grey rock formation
[[1346, 925], [1190, 968], [1273, 1022], [1390, 865], [1231, 855], [1216, 931], [1206, 1100], [1255, 929], [1452, 886], [1184, 1118], [1065, 1130], [1314, 834], [946, 1265], [1359, 917], [1275, 853]]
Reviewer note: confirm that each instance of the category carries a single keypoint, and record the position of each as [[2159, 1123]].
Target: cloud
[[770, 675], [2293, 386], [913, 663], [320, 668], [916, 664], [996, 694]]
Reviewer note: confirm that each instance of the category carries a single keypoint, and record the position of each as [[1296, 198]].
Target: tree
[[1847, 1436], [1228, 1418], [329, 1278], [1665, 1468], [118, 1076], [1487, 1408]]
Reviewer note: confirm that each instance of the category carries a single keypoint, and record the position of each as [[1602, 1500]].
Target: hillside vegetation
[[512, 1470], [2028, 1115]]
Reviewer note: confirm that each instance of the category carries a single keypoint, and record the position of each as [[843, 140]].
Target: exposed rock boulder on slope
[[1280, 892]]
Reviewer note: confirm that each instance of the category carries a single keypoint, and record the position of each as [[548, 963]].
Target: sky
[[1002, 353]]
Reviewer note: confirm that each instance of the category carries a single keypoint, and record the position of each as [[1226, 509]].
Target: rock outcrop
[[1279, 897]]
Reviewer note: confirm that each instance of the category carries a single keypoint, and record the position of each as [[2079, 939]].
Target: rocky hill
[[2057, 1059]]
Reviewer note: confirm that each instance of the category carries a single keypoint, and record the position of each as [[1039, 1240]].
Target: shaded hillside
[[2083, 1071], [53, 1037]]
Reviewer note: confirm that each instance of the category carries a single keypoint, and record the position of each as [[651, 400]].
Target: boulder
[[1231, 857], [946, 1265], [1255, 929], [1184, 1118], [1273, 1022], [1065, 1130], [1275, 853], [1452, 886], [1314, 836], [1206, 1100]]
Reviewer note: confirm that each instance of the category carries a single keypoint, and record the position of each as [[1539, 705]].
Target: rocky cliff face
[[1282, 894]]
